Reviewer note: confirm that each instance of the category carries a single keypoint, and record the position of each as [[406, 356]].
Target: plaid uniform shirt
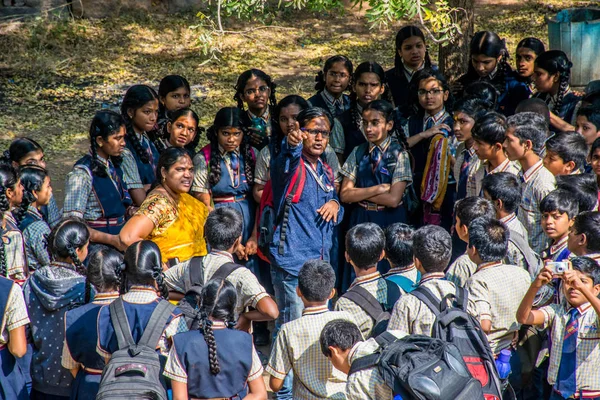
[[513, 254], [201, 167], [175, 370], [14, 248], [461, 270], [297, 348], [374, 284], [475, 172], [588, 346], [497, 290], [506, 166], [537, 183], [14, 315], [35, 236]]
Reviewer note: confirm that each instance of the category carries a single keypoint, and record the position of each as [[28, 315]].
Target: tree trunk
[[454, 57]]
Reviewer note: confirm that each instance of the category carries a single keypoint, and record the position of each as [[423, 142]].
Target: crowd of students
[[298, 207]]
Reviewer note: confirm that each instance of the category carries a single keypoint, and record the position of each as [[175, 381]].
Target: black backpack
[[134, 370], [453, 324], [380, 313], [418, 367]]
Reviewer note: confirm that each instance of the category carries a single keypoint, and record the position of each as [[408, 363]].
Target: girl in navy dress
[[81, 335], [527, 51], [488, 61], [551, 77], [215, 361], [139, 110], [12, 245], [49, 292], [182, 130]]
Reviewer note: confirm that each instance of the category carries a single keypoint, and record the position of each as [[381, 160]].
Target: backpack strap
[[393, 294], [225, 270], [118, 318], [405, 284], [364, 362], [533, 263], [425, 295], [156, 324], [385, 339], [365, 300], [292, 196], [196, 270]]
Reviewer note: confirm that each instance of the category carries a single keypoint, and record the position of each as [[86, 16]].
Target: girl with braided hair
[[215, 361], [489, 62], [36, 194], [104, 271], [256, 89], [49, 292], [12, 245], [139, 110], [551, 77], [527, 51], [96, 189], [182, 131]]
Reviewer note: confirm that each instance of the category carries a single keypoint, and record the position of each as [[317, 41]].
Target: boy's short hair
[[339, 333], [595, 145], [592, 114], [398, 244], [316, 279], [489, 237], [537, 106], [222, 228], [432, 246], [587, 266], [490, 128], [588, 223], [583, 186], [503, 186], [529, 126], [469, 208], [364, 244], [569, 146], [562, 201]]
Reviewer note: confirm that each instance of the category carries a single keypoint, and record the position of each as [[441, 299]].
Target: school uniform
[[188, 363], [101, 201], [51, 213], [461, 270], [354, 135], [466, 170], [411, 273], [514, 256], [263, 123], [35, 233], [79, 350], [567, 111], [14, 250], [398, 80], [147, 171], [14, 315], [557, 251], [511, 167], [297, 349], [336, 107]]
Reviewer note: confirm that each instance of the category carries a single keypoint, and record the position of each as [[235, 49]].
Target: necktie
[[146, 146], [235, 168], [464, 175], [566, 383], [115, 178], [375, 158], [429, 123]]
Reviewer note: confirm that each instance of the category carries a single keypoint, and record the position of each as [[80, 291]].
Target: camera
[[558, 267]]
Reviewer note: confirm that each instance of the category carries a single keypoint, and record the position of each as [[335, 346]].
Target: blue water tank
[[576, 31]]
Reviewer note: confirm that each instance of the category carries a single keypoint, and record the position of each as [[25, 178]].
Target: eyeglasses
[[232, 133], [315, 132], [261, 89], [433, 92], [341, 75]]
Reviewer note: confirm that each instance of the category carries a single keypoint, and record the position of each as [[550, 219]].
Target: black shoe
[[262, 338]]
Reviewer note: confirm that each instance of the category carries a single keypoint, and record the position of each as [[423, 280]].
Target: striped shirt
[[297, 348], [14, 315]]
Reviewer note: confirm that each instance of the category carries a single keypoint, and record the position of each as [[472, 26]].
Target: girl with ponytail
[[104, 271], [215, 361], [551, 77], [12, 244], [49, 292]]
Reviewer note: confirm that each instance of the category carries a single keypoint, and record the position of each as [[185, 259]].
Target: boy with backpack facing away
[[566, 153], [575, 344], [398, 252], [365, 244], [296, 347], [559, 208]]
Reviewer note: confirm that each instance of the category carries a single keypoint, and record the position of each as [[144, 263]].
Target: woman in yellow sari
[[169, 216]]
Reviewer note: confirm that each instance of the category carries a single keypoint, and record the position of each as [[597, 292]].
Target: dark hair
[[588, 223], [428, 73], [406, 32], [387, 110], [473, 107], [243, 80], [532, 43], [587, 266], [595, 146], [569, 146], [363, 68], [135, 98], [218, 301], [187, 112], [316, 279], [364, 244], [469, 208], [529, 126], [320, 78], [104, 124], [562, 201], [104, 270], [490, 128], [583, 186], [398, 244], [339, 333], [19, 148], [168, 84], [489, 237], [167, 159], [8, 180], [503, 186], [228, 117], [310, 113], [592, 114], [276, 132], [32, 179], [69, 235], [535, 105], [556, 62], [432, 246], [484, 91], [143, 266], [223, 227], [489, 44]]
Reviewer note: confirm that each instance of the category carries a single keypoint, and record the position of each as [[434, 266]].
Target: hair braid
[[160, 282], [215, 158], [562, 91], [249, 163], [3, 266], [211, 343], [20, 212], [97, 167], [132, 138], [356, 117], [427, 58], [238, 97], [80, 268], [503, 69]]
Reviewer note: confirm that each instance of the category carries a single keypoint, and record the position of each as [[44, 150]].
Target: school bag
[[421, 367], [453, 324], [380, 313], [405, 284], [532, 259], [134, 370]]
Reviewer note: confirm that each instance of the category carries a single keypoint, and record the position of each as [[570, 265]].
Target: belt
[[582, 394], [91, 371], [102, 222], [371, 206], [229, 199]]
